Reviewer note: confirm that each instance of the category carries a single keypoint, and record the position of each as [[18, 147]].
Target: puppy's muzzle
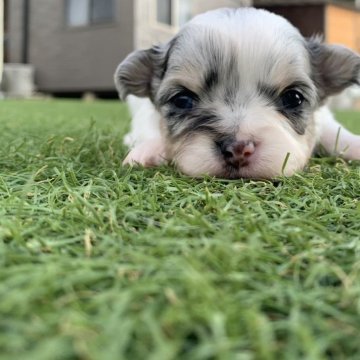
[[237, 153]]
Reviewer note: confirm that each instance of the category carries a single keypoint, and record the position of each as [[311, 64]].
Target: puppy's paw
[[352, 154], [148, 154], [351, 148]]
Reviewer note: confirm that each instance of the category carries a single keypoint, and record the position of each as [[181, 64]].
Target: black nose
[[237, 153]]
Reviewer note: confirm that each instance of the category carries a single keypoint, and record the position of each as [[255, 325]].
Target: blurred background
[[70, 48]]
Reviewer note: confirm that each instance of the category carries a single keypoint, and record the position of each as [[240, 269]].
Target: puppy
[[237, 93]]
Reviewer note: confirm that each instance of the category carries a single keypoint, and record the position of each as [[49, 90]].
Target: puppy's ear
[[335, 67], [133, 75], [139, 71]]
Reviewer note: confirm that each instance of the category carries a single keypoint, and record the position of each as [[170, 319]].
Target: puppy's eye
[[183, 102], [292, 99]]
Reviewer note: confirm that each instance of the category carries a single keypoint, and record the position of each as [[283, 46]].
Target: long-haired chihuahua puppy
[[237, 93]]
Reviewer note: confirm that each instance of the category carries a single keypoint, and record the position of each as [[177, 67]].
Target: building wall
[[309, 19], [71, 59], [200, 6], [149, 32], [343, 27], [14, 27], [1, 36], [84, 58]]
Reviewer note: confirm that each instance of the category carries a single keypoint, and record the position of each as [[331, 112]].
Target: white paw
[[351, 149], [351, 154], [149, 153]]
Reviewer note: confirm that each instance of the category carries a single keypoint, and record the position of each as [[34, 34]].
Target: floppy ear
[[141, 71], [134, 74], [335, 67]]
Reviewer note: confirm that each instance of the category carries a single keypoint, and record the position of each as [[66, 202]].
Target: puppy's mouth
[[231, 172], [243, 171]]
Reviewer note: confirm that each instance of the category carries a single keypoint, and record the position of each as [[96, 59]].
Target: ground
[[103, 262]]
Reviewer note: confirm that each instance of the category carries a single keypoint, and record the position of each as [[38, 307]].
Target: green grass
[[102, 262]]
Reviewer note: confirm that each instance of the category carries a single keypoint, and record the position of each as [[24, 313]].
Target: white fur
[[142, 130], [334, 138], [146, 147], [274, 57], [145, 139]]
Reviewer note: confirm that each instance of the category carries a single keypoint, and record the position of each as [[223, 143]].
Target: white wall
[[1, 37], [148, 32]]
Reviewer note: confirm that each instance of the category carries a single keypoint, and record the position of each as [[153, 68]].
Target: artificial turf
[[102, 262]]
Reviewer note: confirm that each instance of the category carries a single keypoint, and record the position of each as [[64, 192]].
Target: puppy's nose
[[237, 154]]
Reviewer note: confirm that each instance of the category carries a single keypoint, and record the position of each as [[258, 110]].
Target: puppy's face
[[237, 90]]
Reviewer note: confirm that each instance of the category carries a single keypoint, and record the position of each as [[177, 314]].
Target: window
[[173, 12], [86, 12], [184, 12], [77, 12], [102, 10], [164, 11]]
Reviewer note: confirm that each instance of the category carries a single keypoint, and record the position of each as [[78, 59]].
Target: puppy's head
[[237, 90]]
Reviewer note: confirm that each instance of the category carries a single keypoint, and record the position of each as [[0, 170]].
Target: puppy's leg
[[335, 139], [145, 140]]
